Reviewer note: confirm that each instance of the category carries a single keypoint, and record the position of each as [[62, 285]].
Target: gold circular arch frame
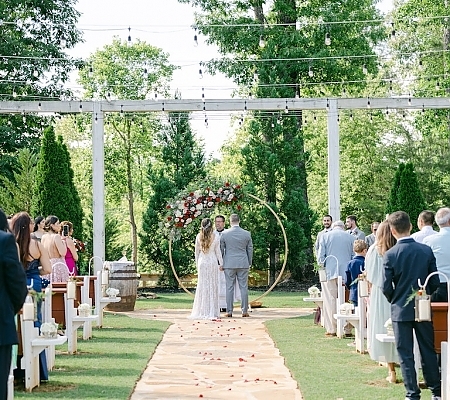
[[285, 252]]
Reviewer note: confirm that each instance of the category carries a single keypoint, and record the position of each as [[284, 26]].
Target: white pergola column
[[334, 191], [98, 186]]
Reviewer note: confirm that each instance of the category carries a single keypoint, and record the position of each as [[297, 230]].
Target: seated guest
[[354, 268], [440, 244]]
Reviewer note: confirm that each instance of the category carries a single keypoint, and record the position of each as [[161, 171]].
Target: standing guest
[[405, 264], [237, 250], [440, 244], [352, 228], [425, 222], [35, 262], [38, 230], [339, 244], [57, 250], [379, 308], [355, 267], [327, 220], [72, 253], [13, 290], [208, 260], [219, 223], [370, 239]]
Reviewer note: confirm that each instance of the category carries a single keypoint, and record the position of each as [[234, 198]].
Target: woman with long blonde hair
[[379, 307], [208, 260]]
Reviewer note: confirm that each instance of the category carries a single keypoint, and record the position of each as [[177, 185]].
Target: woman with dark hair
[[35, 261], [208, 259], [38, 231], [56, 248]]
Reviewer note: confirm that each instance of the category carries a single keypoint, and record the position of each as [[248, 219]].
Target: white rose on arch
[[178, 214], [188, 221], [199, 206]]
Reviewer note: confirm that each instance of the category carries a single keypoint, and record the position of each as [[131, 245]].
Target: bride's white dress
[[206, 301]]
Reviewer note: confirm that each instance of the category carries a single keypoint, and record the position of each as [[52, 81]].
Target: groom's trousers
[[242, 277]]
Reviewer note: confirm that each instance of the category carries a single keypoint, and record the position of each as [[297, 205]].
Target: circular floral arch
[[200, 202]]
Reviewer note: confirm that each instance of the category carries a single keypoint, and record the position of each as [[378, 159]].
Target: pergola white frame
[[98, 108]]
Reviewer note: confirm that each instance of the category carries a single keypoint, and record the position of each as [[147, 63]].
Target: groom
[[237, 250]]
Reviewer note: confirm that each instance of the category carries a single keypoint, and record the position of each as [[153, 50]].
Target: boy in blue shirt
[[354, 268]]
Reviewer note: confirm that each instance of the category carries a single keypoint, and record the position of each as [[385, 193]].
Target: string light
[[286, 109], [129, 37], [145, 73], [63, 43], [108, 96], [206, 121], [297, 91], [262, 43], [392, 30], [364, 69], [195, 38], [200, 72], [39, 105], [368, 102], [203, 94], [90, 73], [81, 107], [327, 39], [310, 72], [328, 104], [96, 118], [121, 110]]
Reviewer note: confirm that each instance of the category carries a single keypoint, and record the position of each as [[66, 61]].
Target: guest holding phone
[[72, 254], [57, 250]]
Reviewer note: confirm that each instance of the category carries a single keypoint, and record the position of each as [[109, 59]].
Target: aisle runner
[[233, 358]]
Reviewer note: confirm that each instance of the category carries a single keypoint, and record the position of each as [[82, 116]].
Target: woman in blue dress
[[36, 262]]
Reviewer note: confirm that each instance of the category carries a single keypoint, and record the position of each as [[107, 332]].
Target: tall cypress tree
[[393, 203], [53, 193]]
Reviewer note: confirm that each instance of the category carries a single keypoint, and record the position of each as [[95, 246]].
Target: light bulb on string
[[206, 121], [96, 118], [423, 108], [262, 43], [409, 101], [39, 105], [145, 73], [371, 117], [200, 72], [368, 103], [195, 38], [305, 121], [108, 96], [314, 117], [63, 42], [438, 86], [24, 118], [390, 85], [404, 114], [129, 37], [420, 64], [245, 107], [310, 72], [155, 95], [327, 39], [255, 77], [203, 94], [14, 94], [351, 115], [297, 92], [364, 69], [121, 110], [35, 73], [328, 104], [392, 30], [286, 109], [338, 118], [80, 109], [344, 92], [91, 71]]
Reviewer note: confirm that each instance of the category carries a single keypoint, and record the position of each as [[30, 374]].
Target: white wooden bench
[[33, 345], [73, 322], [101, 301]]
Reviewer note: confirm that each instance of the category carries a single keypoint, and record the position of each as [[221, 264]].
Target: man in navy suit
[[404, 264], [13, 290]]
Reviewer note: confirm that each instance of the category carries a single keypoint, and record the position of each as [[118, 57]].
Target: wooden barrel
[[123, 276]]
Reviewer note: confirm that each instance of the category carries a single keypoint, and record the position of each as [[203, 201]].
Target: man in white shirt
[[440, 244], [425, 222]]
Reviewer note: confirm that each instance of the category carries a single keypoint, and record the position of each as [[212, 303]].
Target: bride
[[208, 260]]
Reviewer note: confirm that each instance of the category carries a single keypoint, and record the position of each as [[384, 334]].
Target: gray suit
[[237, 250]]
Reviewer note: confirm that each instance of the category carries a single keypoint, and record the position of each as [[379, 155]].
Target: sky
[[165, 24]]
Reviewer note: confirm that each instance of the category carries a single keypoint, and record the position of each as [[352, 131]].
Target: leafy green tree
[[34, 65], [275, 158], [394, 201], [53, 190], [179, 162], [15, 196], [119, 71]]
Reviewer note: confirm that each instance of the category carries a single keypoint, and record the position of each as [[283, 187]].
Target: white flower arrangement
[[112, 292], [389, 327], [314, 291], [84, 310], [49, 329], [346, 308]]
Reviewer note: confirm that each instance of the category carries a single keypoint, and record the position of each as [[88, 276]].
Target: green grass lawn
[[105, 367], [183, 300]]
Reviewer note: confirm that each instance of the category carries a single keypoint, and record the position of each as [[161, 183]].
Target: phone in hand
[[66, 230]]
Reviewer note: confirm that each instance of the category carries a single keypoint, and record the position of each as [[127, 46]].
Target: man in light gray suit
[[237, 250], [339, 244]]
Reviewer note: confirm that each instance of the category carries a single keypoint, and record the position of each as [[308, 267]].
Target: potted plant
[[49, 330], [112, 292], [84, 310]]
